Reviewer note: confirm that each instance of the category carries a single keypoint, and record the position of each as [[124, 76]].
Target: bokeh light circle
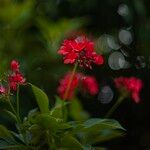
[[106, 95], [125, 37], [116, 61]]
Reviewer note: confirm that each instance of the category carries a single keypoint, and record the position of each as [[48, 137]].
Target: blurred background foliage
[[32, 30]]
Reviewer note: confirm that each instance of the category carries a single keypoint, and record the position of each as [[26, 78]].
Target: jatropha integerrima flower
[[86, 83], [13, 79], [127, 87], [130, 86], [63, 83], [80, 50], [16, 77]]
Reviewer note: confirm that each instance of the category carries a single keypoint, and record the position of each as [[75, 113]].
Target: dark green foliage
[[47, 129]]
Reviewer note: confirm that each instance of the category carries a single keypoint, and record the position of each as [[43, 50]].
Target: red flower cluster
[[80, 50], [64, 83], [132, 85], [87, 83], [16, 77]]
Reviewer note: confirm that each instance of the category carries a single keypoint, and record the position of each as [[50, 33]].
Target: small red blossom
[[80, 50], [15, 79], [15, 65], [64, 83], [131, 85], [87, 83], [90, 84], [2, 90]]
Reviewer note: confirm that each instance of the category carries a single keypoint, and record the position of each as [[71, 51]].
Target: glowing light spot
[[102, 44], [125, 37], [116, 61], [106, 95], [123, 10], [112, 43]]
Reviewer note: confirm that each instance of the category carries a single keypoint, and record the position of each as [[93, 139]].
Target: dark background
[[32, 30]]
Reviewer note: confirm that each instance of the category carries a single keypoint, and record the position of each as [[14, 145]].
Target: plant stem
[[115, 106], [18, 89], [68, 88], [48, 139], [70, 81], [19, 122], [13, 110]]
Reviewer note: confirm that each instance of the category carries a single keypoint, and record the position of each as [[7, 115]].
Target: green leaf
[[11, 145], [105, 135], [53, 124], [77, 127], [59, 108], [48, 122], [59, 101], [36, 132], [77, 112], [70, 142], [32, 115], [41, 98], [18, 137], [96, 130], [103, 124], [99, 130], [4, 132]]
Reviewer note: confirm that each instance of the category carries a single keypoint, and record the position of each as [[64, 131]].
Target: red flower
[[80, 50], [15, 65], [2, 90], [15, 79], [64, 83], [90, 84], [131, 85]]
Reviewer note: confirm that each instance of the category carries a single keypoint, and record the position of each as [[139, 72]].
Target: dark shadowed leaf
[[4, 132], [100, 130], [11, 144], [103, 124], [69, 142]]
